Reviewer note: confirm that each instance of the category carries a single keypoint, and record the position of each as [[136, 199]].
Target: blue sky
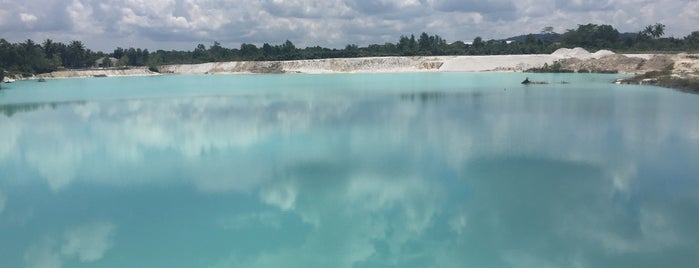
[[182, 24]]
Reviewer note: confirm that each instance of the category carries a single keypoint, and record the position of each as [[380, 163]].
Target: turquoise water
[[348, 170]]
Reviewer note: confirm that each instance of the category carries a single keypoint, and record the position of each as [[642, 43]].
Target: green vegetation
[[592, 36], [683, 84], [28, 58], [153, 68], [664, 78], [556, 67]]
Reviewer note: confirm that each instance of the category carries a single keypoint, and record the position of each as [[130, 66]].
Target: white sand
[[498, 63], [512, 63], [641, 56], [134, 71], [373, 65]]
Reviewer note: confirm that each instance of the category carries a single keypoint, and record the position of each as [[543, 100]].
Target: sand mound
[[602, 53], [687, 64], [658, 62], [609, 63], [580, 53]]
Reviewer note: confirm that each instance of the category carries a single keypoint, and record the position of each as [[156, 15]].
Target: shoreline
[[575, 60]]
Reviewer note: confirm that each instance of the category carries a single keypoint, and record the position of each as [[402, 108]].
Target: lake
[[348, 170]]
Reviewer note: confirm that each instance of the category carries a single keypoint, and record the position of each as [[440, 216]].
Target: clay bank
[[575, 60]]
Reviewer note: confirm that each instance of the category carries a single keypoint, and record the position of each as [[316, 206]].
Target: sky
[[182, 24]]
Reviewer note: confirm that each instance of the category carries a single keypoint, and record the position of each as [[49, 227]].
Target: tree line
[[29, 57]]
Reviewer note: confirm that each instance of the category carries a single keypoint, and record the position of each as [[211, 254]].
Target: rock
[[649, 81], [658, 62]]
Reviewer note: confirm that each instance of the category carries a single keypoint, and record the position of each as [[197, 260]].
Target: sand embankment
[[576, 59], [371, 65], [343, 65], [131, 71]]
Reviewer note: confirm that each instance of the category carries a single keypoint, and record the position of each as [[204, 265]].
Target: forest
[[29, 57]]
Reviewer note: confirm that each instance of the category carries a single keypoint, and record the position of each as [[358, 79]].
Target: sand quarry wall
[[372, 65], [513, 63], [576, 59]]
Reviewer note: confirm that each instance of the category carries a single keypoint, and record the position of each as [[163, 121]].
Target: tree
[[144, 56], [200, 53], [288, 47], [431, 44], [269, 52], [75, 55], [530, 39], [33, 58], [288, 51], [591, 36], [659, 30], [692, 40], [653, 31], [412, 44], [118, 53], [217, 52], [9, 55], [424, 43], [249, 51], [403, 44], [478, 42], [547, 30], [50, 48], [123, 61], [351, 50], [106, 62], [407, 45]]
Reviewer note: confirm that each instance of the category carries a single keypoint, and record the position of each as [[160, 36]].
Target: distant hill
[[556, 37], [627, 35], [551, 37]]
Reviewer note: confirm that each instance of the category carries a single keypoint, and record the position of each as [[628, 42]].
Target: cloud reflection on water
[[87, 243], [509, 181]]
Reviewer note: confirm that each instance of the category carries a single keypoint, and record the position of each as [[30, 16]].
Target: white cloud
[[475, 6], [203, 130], [57, 161], [184, 23], [280, 195], [42, 255], [3, 199], [525, 260], [655, 232], [81, 15], [88, 242], [348, 218], [28, 18], [4, 18], [622, 178], [312, 9], [8, 136], [458, 223], [244, 221], [417, 198]]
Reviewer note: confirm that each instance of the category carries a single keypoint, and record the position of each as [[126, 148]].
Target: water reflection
[[494, 179]]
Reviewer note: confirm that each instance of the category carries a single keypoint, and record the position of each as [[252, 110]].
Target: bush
[[556, 67], [684, 84], [153, 68]]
